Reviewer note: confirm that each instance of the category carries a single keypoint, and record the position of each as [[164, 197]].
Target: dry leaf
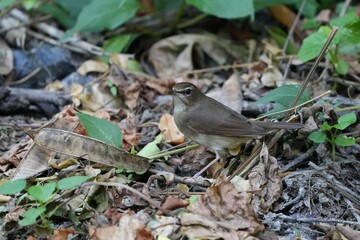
[[285, 16], [181, 53], [36, 159], [171, 133], [128, 228], [62, 234], [323, 16], [121, 60], [93, 66], [172, 203], [17, 34], [76, 145], [272, 77], [223, 213], [6, 58], [265, 177]]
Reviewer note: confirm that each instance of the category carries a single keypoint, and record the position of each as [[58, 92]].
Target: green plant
[[283, 96], [40, 196], [113, 88], [331, 133], [101, 129], [347, 41]]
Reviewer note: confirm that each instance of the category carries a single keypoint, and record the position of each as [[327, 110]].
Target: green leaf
[[6, 3], [313, 44], [311, 24], [167, 6], [71, 182], [31, 215], [285, 95], [119, 43], [345, 120], [341, 67], [326, 127], [42, 193], [277, 108], [30, 4], [224, 9], [13, 187], [59, 13], [133, 66], [101, 129], [318, 137], [260, 4], [193, 199], [280, 37], [73, 7], [151, 148], [310, 9], [100, 15], [344, 141]]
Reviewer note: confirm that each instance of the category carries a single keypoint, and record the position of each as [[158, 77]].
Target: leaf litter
[[234, 209]]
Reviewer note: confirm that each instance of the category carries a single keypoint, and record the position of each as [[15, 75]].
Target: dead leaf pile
[[224, 212]]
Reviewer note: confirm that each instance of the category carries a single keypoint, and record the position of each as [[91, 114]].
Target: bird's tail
[[279, 125]]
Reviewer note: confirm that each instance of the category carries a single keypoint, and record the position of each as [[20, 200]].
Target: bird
[[214, 125]]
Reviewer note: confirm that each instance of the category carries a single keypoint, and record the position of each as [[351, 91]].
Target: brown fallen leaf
[[265, 177], [172, 203], [128, 228], [223, 213], [285, 16], [93, 66], [72, 144], [62, 234], [171, 133], [36, 158], [6, 58], [181, 53]]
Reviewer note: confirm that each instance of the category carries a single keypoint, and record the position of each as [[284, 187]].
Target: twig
[[293, 108], [24, 79], [219, 68], [312, 220], [345, 8], [130, 189], [299, 159], [293, 26], [314, 66], [287, 69]]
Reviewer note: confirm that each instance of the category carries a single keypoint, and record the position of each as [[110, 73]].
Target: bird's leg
[[218, 156]]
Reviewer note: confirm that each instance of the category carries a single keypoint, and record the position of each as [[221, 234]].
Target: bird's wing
[[221, 120]]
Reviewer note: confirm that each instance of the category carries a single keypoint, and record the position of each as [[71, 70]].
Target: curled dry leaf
[[76, 145], [6, 58], [272, 76], [129, 132], [60, 234], [223, 213], [177, 54], [132, 95], [128, 228], [171, 133], [93, 66], [172, 203], [120, 60], [230, 94], [16, 34], [265, 177]]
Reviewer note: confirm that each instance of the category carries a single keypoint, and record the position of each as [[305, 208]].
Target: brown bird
[[214, 125]]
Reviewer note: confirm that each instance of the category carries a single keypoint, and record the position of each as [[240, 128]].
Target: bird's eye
[[187, 91]]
